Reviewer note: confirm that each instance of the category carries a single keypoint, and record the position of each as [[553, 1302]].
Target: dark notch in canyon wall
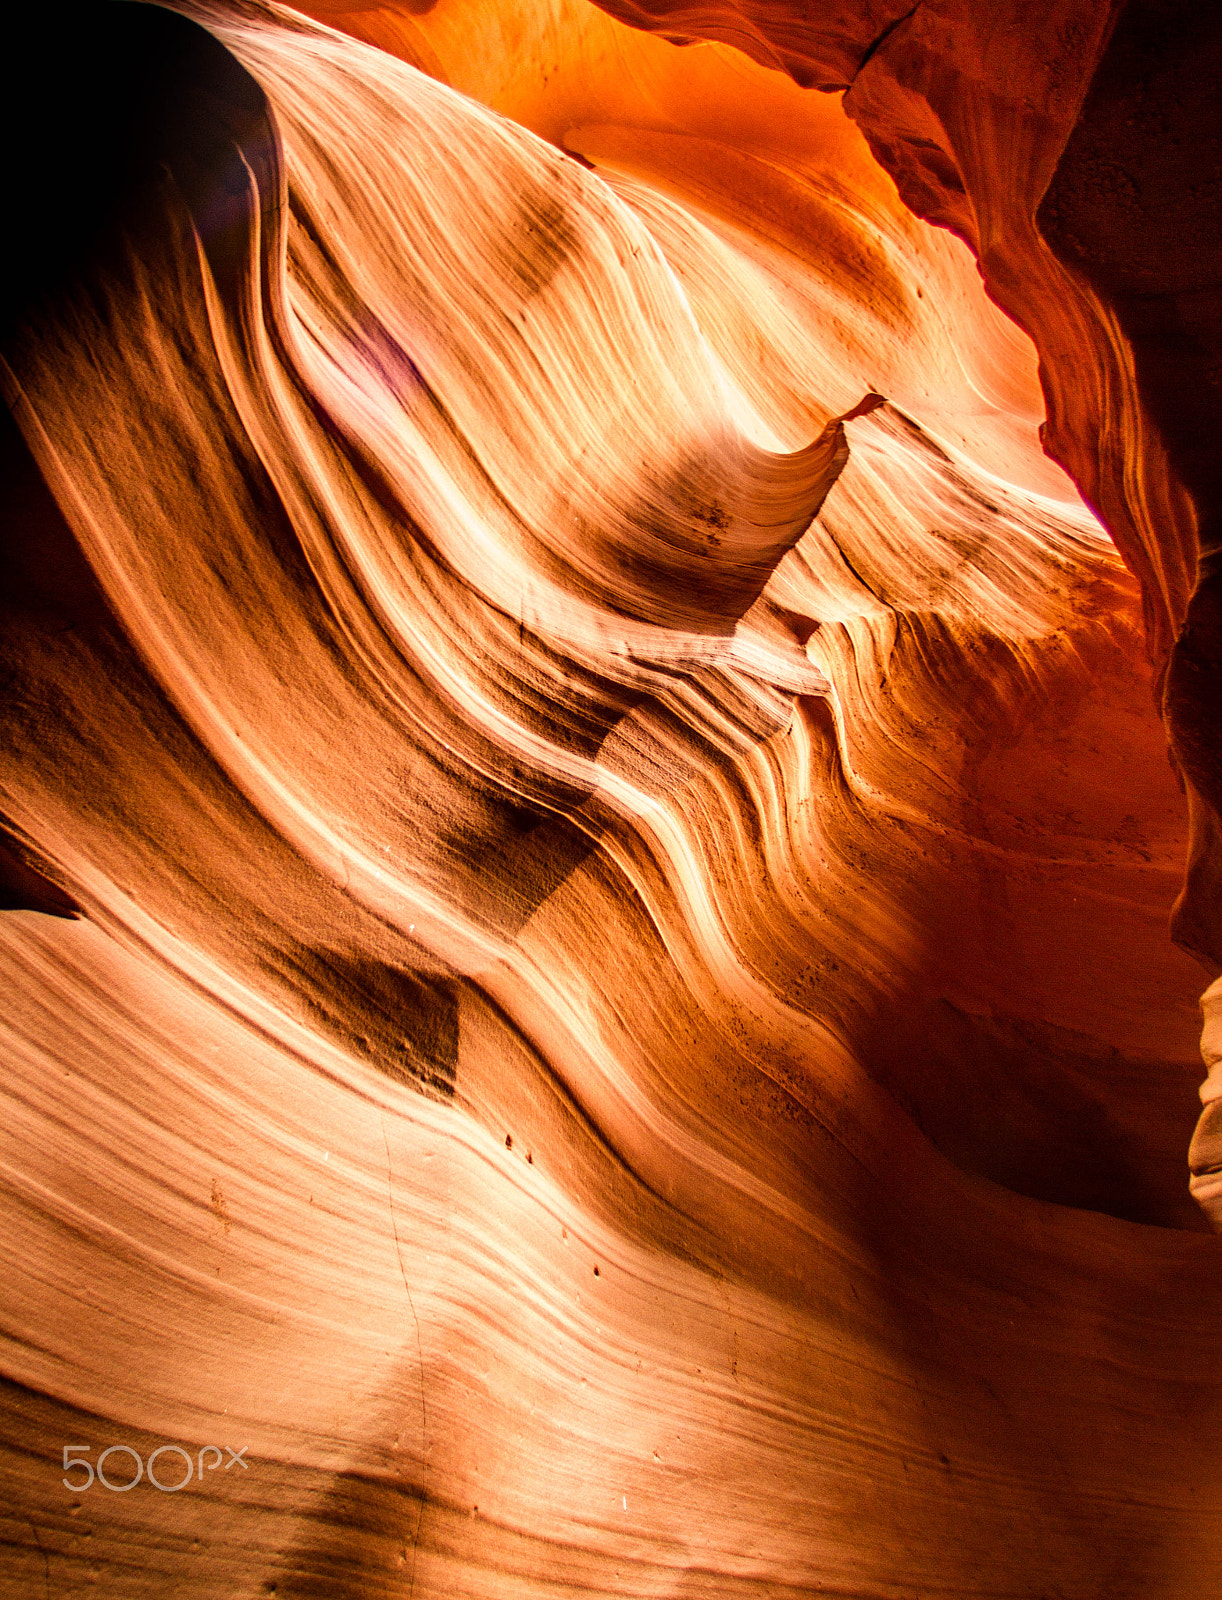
[[1134, 207], [1077, 150]]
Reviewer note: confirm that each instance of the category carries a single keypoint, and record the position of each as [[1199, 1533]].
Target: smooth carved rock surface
[[588, 844], [1078, 155]]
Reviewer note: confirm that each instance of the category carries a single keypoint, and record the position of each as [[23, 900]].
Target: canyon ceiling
[[610, 790]]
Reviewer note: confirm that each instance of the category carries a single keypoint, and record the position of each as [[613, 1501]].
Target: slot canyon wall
[[610, 629]]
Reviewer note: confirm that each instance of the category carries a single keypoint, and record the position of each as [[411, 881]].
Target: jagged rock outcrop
[[589, 850]]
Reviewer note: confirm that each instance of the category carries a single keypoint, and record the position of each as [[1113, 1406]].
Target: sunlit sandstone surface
[[589, 835]]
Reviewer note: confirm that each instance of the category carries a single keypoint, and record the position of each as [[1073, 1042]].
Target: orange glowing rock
[[607, 1022]]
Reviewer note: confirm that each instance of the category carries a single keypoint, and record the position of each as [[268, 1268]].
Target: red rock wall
[[586, 974], [1077, 155]]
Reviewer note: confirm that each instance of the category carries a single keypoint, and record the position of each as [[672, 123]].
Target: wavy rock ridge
[[588, 847], [1071, 155]]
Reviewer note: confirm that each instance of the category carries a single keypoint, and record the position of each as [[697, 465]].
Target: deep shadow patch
[[540, 241], [403, 1023], [513, 861]]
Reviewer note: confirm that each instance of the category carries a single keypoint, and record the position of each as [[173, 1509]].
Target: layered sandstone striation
[[1077, 155], [588, 844]]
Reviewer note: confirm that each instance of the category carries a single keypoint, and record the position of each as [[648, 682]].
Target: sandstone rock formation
[[1078, 157], [588, 1002]]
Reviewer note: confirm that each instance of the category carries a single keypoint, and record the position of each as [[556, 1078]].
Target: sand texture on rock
[[587, 842]]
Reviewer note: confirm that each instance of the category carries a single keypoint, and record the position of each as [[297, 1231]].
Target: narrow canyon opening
[[609, 801]]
